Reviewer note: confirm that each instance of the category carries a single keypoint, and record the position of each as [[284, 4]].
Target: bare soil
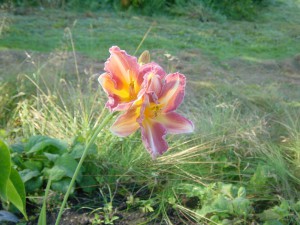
[[192, 63]]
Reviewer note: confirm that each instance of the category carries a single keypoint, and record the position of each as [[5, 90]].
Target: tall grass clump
[[58, 108], [8, 102]]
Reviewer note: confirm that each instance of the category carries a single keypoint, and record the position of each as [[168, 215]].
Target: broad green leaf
[[205, 210], [28, 174], [16, 191], [283, 209], [226, 189], [34, 184], [55, 173], [241, 206], [78, 147], [272, 222], [5, 166], [88, 184], [43, 143], [276, 213], [33, 165], [18, 148], [221, 204], [297, 206], [17, 160], [62, 185], [51, 157], [68, 164]]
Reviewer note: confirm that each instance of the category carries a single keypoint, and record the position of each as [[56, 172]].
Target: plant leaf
[[7, 216], [88, 184], [221, 204], [241, 206], [62, 185], [51, 157], [55, 173], [78, 147], [33, 165], [43, 143], [28, 174], [5, 166], [34, 184], [18, 148], [67, 163], [16, 192], [242, 192]]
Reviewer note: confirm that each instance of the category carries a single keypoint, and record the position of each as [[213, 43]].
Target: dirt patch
[[192, 63], [262, 72], [118, 217], [58, 64], [202, 68]]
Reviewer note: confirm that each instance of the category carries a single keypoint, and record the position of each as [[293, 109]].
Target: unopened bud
[[144, 58]]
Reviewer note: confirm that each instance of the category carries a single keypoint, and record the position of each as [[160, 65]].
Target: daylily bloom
[[159, 116], [155, 112], [147, 96], [123, 78]]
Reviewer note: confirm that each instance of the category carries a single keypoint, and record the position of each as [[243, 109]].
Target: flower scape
[[147, 98]]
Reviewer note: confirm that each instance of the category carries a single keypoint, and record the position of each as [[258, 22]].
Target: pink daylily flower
[[158, 116], [123, 78], [155, 112], [148, 98]]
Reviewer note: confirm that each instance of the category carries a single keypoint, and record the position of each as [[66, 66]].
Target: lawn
[[239, 166]]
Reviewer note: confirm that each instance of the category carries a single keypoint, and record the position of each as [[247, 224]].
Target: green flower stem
[[90, 142]]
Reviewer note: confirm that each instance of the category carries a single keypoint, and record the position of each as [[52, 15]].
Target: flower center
[[153, 110], [156, 110], [131, 92]]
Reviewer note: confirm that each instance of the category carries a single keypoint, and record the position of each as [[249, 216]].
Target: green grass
[[269, 36]]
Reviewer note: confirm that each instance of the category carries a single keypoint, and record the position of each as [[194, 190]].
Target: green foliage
[[201, 9], [5, 168], [218, 201], [12, 188], [42, 157], [284, 213]]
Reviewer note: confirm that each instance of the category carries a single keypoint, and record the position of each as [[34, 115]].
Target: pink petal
[[153, 135], [152, 85], [118, 100], [108, 86], [120, 80], [175, 123], [173, 92], [126, 123], [150, 67], [122, 67]]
